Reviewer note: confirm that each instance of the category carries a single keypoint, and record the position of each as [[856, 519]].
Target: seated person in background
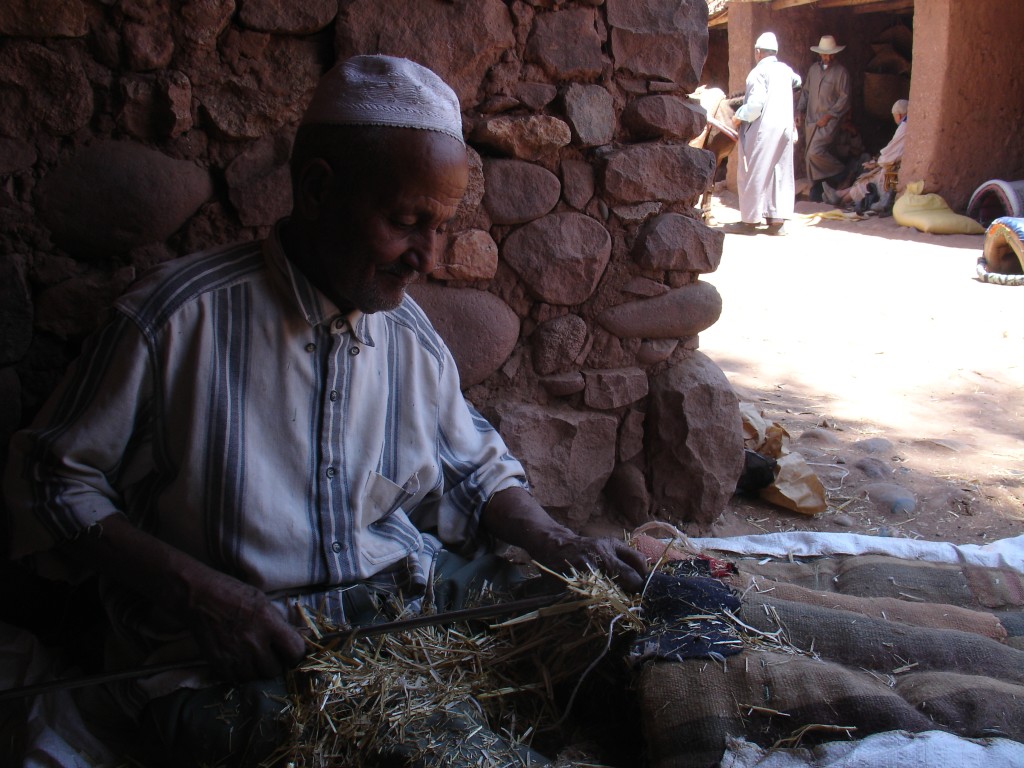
[[849, 147], [276, 424], [874, 170]]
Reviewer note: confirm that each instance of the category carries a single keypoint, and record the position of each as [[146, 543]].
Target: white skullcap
[[767, 42], [385, 90], [901, 107]]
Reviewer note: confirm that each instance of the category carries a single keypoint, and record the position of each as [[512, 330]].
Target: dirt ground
[[898, 376]]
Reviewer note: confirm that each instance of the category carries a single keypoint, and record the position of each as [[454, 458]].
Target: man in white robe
[[766, 137]]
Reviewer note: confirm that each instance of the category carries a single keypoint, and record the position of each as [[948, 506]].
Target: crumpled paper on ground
[[796, 487]]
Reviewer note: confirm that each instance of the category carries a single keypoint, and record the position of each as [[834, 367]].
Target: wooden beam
[[887, 6], [779, 5], [862, 4], [859, 6]]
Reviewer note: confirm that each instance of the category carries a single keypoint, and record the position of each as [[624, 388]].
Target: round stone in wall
[[685, 311], [568, 455], [517, 191], [479, 328], [646, 172], [42, 91], [560, 257], [663, 117], [527, 138], [115, 196], [673, 241]]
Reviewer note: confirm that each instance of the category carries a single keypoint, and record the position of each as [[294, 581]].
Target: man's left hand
[[514, 516], [609, 556]]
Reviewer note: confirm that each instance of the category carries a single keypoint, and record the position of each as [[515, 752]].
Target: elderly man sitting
[[273, 425], [874, 171]]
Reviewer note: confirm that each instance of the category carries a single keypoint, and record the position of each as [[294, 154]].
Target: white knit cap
[[767, 42], [385, 90]]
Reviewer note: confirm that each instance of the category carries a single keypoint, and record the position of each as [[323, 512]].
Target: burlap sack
[[690, 708], [1013, 622], [882, 576], [967, 704], [816, 574], [933, 615], [996, 588], [882, 646]]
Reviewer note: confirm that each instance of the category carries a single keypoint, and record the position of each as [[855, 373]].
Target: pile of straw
[[457, 694]]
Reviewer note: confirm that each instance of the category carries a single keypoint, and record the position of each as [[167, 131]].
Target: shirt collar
[[316, 308]]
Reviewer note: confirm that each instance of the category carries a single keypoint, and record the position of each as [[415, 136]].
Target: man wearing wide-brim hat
[[824, 100]]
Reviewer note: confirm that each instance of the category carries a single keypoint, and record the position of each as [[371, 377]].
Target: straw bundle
[[445, 693]]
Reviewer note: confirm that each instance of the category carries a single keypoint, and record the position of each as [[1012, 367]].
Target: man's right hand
[[238, 630]]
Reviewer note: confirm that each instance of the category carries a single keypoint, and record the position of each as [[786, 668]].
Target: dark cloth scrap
[[685, 621]]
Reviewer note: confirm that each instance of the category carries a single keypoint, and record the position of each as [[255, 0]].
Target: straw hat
[[827, 45], [767, 42]]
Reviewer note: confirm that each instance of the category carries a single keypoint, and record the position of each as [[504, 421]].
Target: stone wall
[[138, 131]]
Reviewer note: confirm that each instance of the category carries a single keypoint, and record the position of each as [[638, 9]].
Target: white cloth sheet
[[1008, 553], [892, 749]]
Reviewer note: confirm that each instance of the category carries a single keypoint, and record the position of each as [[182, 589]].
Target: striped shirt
[[230, 409]]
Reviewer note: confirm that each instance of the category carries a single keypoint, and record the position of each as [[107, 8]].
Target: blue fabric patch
[[685, 620]]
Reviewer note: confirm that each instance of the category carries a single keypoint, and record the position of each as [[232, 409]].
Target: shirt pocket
[[386, 535], [384, 497]]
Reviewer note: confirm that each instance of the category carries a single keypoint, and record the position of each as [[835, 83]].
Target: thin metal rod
[[332, 639]]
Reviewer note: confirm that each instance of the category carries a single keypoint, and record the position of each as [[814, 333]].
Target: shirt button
[[339, 324], [353, 351], [334, 395], [330, 471], [311, 347], [336, 547]]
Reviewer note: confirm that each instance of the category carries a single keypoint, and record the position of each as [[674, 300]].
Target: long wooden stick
[[330, 639]]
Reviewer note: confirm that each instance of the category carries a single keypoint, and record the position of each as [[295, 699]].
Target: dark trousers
[[241, 725]]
